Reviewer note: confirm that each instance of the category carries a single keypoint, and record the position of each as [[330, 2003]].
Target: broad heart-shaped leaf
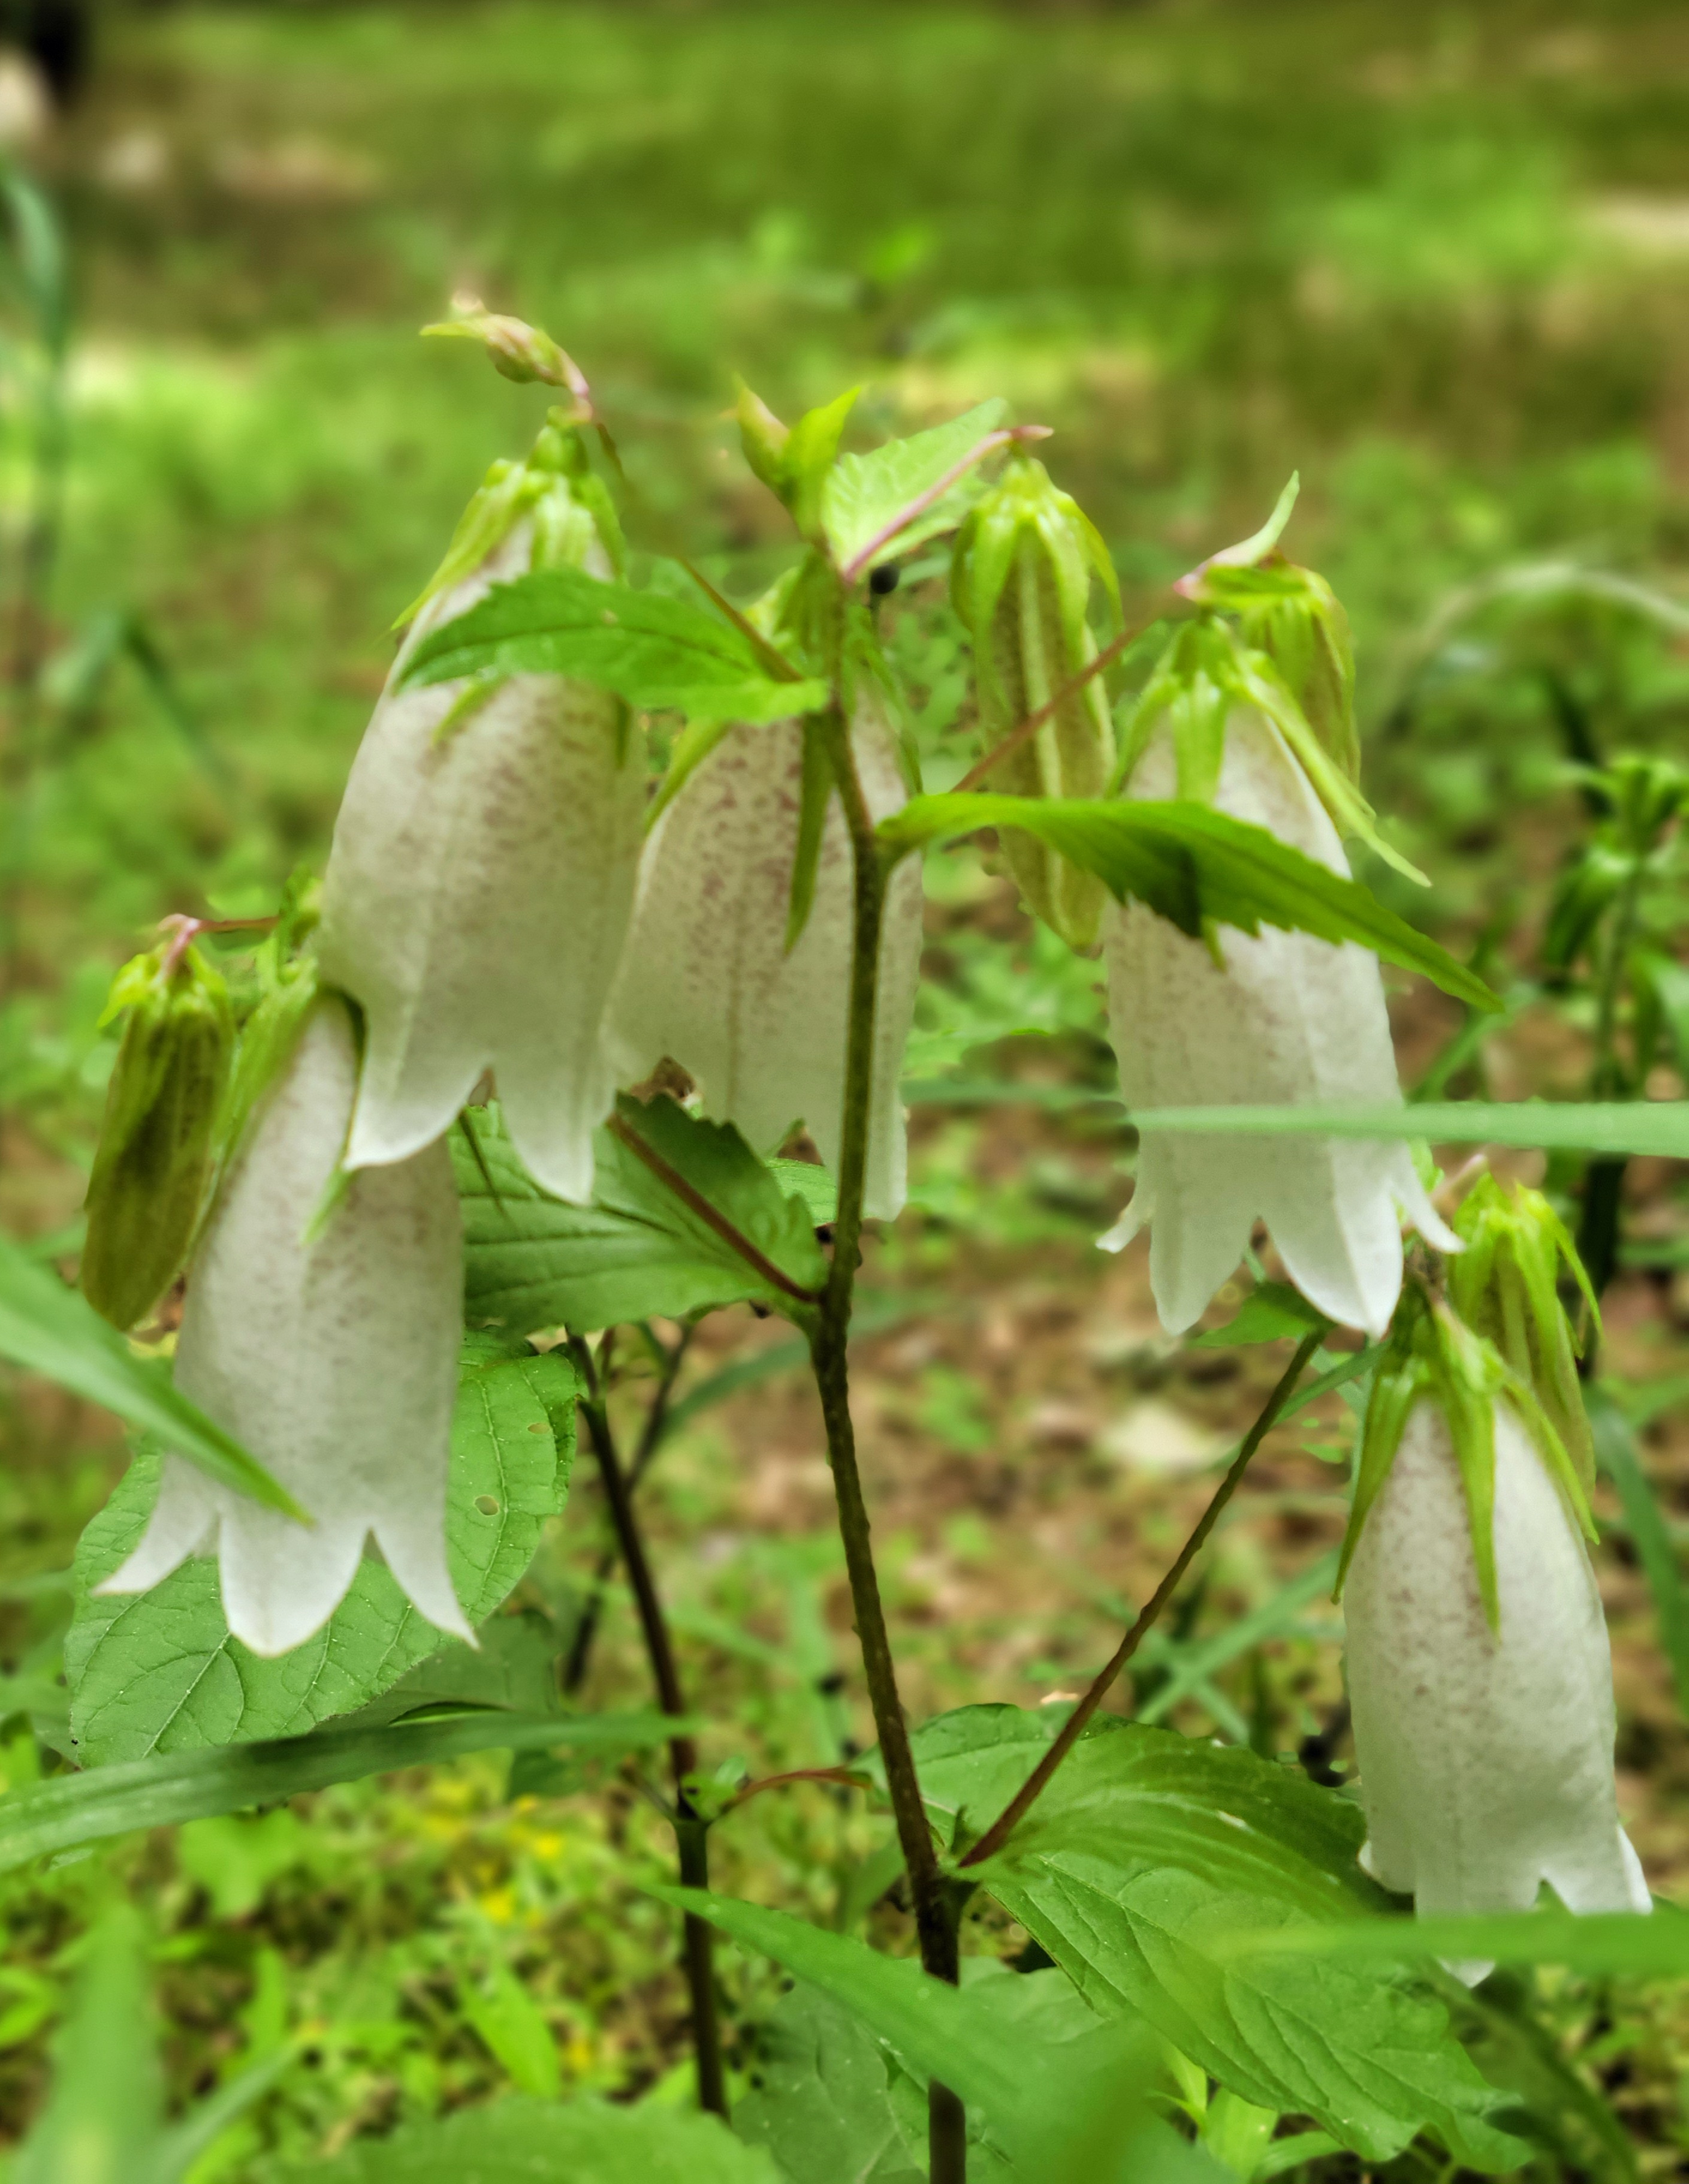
[[159, 1671], [171, 1786], [864, 494], [1195, 866], [48, 1328], [639, 1249], [528, 2141], [1147, 1854], [1059, 2092], [650, 648]]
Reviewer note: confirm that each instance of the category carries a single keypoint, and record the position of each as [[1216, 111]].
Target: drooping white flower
[[1288, 1018], [479, 888], [708, 982], [333, 1360], [1486, 1754]]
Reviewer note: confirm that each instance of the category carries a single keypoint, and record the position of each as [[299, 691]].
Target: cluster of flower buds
[[1479, 1667]]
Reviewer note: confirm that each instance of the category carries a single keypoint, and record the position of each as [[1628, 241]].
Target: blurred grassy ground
[[1437, 259]]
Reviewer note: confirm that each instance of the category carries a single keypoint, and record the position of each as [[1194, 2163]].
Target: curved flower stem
[[690, 1832], [829, 1338], [997, 1834]]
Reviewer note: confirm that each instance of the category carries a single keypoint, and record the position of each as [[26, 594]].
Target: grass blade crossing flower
[[1281, 1017]]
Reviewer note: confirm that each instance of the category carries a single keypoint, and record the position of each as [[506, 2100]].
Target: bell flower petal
[[1486, 1756], [707, 980], [476, 901], [1288, 1018], [334, 1361]]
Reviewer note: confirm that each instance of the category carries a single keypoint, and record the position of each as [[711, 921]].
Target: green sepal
[[517, 350], [555, 490], [1206, 670], [157, 1149], [286, 966], [1435, 1355], [1506, 1285]]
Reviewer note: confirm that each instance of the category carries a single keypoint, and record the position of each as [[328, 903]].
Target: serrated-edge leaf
[[1198, 868]]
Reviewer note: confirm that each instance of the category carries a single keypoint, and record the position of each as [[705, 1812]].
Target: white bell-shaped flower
[[1486, 1755], [334, 1361], [708, 979], [477, 898], [1286, 1019]]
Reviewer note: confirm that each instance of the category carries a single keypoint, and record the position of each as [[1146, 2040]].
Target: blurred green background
[[1434, 258]]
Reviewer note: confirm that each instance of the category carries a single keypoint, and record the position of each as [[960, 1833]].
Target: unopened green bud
[[1505, 1285], [158, 1144], [517, 350], [1021, 577]]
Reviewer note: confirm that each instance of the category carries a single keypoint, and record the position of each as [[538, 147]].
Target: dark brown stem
[[711, 1216], [691, 1837], [1024, 731], [1073, 1729], [829, 1340], [650, 1440]]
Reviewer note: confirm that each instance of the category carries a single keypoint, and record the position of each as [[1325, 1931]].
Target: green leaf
[[638, 1250], [863, 494], [813, 1185], [1638, 1945], [1146, 1853], [1617, 1455], [528, 2141], [1196, 866], [651, 648], [48, 1329], [1270, 1311], [158, 1671], [1658, 1127], [830, 2104], [1059, 2095], [171, 1786]]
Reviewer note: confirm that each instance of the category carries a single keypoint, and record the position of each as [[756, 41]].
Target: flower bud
[[157, 1143], [1275, 1018], [1485, 1750], [482, 872], [333, 1360], [1021, 581], [709, 981]]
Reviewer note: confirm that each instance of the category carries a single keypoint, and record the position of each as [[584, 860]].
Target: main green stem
[[690, 1832], [828, 1341]]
